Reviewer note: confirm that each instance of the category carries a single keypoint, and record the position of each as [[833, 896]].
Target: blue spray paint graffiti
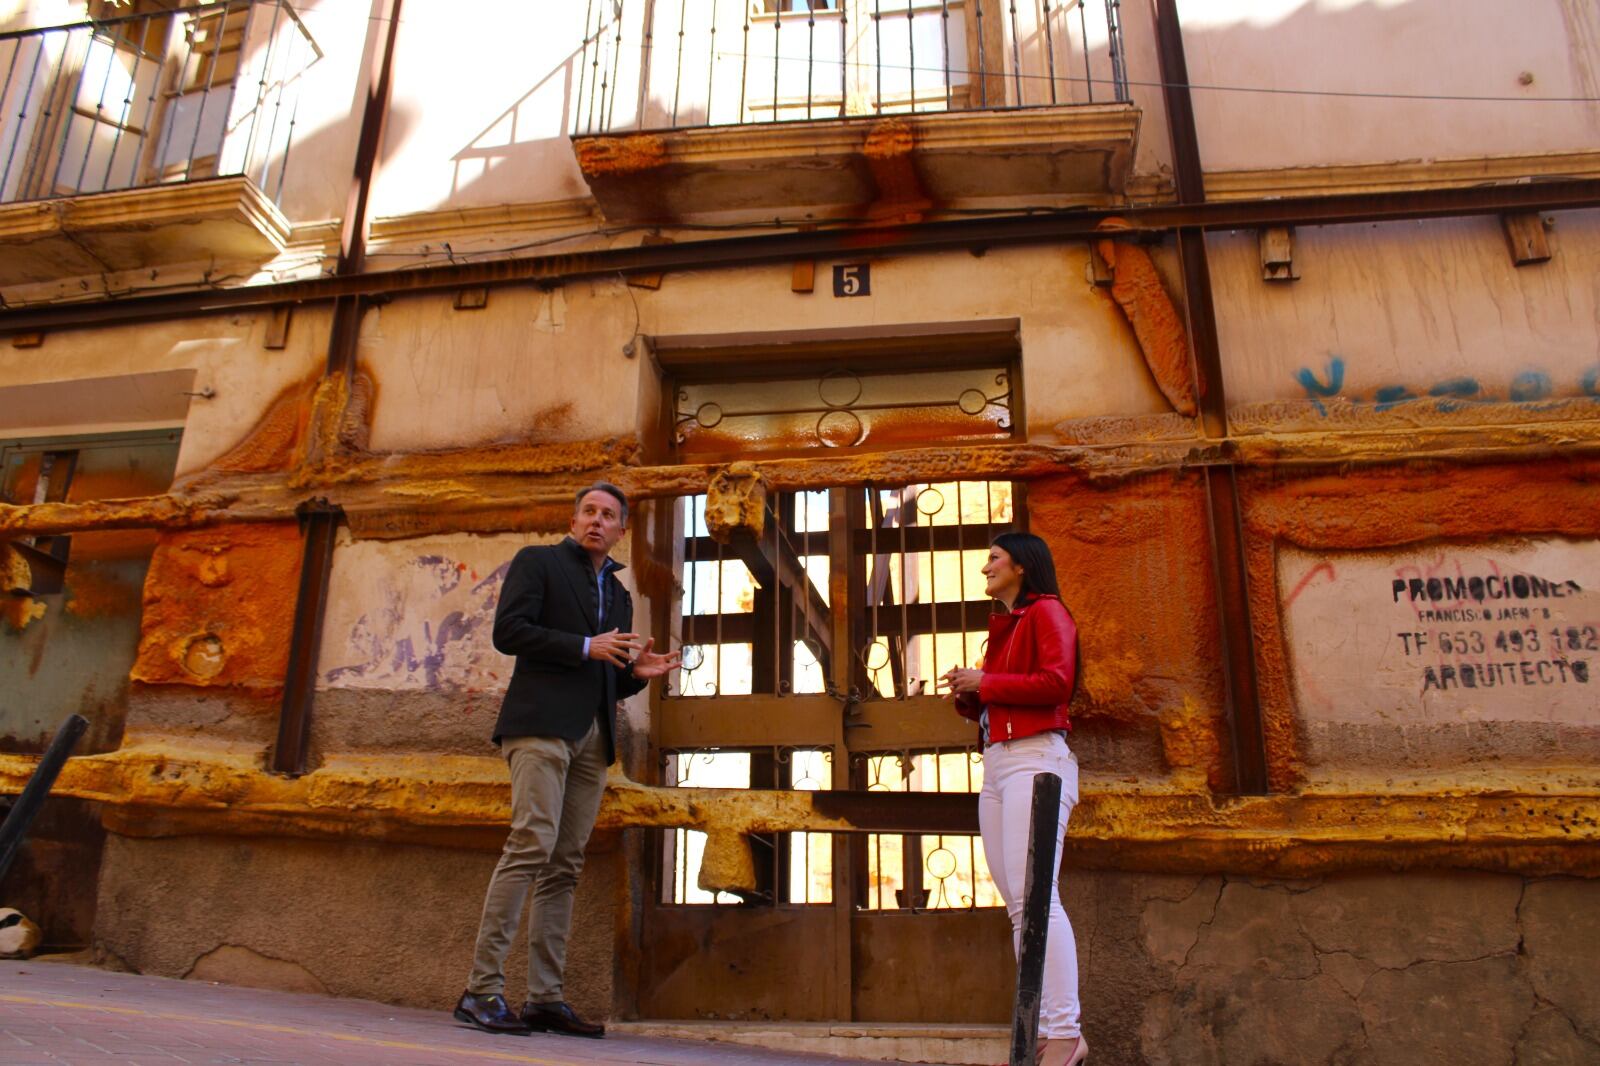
[[1331, 387], [1528, 386]]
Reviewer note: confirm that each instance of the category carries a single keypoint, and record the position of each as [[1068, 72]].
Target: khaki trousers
[[556, 787]]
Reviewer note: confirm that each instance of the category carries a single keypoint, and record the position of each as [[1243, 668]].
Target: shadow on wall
[[499, 167]]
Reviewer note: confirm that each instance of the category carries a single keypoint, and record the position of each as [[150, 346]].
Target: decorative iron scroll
[[838, 409]]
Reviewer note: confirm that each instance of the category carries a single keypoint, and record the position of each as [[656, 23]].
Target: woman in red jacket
[[1019, 698]]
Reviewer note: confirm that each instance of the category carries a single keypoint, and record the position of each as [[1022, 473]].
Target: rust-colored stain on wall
[[619, 155], [219, 607], [273, 442], [1157, 324], [1133, 563]]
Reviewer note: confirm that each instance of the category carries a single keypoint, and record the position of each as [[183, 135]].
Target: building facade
[[1277, 320]]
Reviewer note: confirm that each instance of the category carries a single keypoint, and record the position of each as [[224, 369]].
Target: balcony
[[148, 139], [737, 110]]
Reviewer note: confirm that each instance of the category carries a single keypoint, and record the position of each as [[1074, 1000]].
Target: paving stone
[[79, 1016]]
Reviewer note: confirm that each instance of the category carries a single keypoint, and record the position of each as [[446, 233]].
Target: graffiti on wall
[[1527, 386], [416, 615], [1494, 632]]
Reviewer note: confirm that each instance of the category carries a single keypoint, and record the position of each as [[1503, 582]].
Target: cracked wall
[[1354, 969]]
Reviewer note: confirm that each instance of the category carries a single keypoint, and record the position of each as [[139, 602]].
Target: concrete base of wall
[[386, 922], [1364, 968]]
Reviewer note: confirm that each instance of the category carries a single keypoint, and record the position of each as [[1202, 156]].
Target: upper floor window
[[151, 91]]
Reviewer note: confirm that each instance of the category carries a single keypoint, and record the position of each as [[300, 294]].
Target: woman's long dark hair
[[1039, 579], [1033, 555]]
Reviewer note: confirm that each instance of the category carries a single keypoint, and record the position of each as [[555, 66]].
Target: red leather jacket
[[1029, 673]]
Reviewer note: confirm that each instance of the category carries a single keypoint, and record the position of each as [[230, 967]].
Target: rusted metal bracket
[[1277, 253], [278, 328], [1525, 234]]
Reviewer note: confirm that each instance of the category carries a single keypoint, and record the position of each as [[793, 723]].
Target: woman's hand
[[959, 680], [653, 663]]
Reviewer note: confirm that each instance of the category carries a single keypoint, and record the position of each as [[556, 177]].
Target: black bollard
[[1035, 917], [38, 787]]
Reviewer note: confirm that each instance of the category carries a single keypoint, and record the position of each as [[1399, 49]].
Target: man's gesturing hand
[[616, 648], [653, 663]]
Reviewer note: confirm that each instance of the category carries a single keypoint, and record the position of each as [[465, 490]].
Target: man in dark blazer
[[569, 622]]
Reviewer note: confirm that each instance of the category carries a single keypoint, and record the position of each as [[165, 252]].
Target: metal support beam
[[1221, 482], [737, 252], [319, 519]]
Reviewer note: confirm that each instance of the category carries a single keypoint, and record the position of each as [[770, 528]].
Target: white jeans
[[1005, 807]]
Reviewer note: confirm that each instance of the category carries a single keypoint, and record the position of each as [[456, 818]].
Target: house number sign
[[852, 279]]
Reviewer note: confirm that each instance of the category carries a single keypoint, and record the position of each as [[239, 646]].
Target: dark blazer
[[548, 604]]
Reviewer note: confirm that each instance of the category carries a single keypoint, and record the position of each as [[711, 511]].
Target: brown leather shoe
[[559, 1018], [490, 1013]]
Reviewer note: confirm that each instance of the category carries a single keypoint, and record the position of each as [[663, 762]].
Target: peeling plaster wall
[[1411, 309], [226, 354], [535, 365], [1133, 564], [1487, 653], [408, 643], [549, 366]]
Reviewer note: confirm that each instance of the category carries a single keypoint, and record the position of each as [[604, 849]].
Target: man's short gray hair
[[609, 489]]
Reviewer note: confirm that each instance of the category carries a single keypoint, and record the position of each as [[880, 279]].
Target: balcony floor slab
[[1047, 156], [222, 220]]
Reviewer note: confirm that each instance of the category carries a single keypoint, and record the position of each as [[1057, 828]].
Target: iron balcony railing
[[116, 103], [672, 64]]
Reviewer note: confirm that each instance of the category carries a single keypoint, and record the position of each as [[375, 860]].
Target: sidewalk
[[54, 1013]]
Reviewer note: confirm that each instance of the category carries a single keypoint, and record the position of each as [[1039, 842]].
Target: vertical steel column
[[1222, 487], [319, 519], [319, 525]]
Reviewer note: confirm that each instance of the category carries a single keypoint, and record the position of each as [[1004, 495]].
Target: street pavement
[[56, 1013]]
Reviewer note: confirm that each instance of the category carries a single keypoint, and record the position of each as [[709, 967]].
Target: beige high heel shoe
[[1068, 1052]]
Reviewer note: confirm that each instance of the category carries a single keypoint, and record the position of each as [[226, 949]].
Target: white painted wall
[[1428, 47]]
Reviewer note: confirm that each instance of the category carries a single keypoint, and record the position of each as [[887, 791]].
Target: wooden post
[[1039, 881]]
